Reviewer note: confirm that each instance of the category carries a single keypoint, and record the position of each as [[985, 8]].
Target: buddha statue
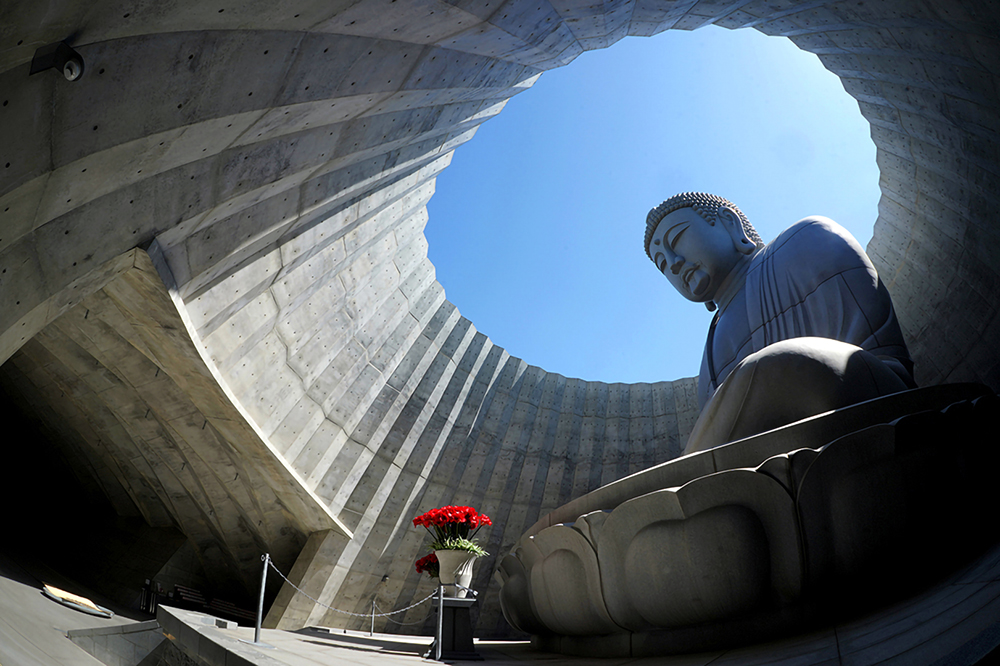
[[811, 475], [803, 325]]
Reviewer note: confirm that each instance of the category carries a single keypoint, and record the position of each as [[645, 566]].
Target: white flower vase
[[455, 567]]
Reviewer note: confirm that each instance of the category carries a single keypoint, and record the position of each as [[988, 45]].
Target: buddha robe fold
[[813, 280]]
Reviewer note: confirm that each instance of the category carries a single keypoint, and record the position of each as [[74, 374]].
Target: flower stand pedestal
[[456, 634]]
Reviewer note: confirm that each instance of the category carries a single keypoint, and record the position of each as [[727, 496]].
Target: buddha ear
[[734, 226]]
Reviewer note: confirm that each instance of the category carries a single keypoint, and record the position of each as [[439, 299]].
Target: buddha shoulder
[[816, 245]]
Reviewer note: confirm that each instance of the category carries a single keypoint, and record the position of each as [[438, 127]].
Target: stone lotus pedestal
[[762, 536], [455, 566]]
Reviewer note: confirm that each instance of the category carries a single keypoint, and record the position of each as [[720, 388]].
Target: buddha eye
[[677, 232]]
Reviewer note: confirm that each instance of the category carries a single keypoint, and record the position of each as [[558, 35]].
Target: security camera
[[73, 69], [58, 56]]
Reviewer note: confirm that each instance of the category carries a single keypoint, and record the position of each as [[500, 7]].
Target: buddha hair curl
[[706, 205]]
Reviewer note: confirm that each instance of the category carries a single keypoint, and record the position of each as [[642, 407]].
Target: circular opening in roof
[[536, 227]]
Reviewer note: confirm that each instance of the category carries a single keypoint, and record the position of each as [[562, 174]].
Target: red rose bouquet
[[429, 563], [454, 528]]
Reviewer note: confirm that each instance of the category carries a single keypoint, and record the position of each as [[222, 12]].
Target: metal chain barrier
[[461, 587], [433, 594], [420, 621], [337, 610]]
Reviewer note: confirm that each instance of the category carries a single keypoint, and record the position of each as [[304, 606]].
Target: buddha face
[[694, 255]]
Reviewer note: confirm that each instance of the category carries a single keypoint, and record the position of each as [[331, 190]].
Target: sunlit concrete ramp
[[272, 162]]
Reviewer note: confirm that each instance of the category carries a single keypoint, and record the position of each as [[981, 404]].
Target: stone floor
[[32, 627], [956, 622]]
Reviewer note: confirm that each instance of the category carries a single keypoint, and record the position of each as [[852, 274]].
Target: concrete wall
[[134, 407], [122, 645], [278, 158]]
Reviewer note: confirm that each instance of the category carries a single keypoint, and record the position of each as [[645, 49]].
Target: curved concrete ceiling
[[275, 159]]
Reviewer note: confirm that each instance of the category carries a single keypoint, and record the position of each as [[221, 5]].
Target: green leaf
[[459, 543]]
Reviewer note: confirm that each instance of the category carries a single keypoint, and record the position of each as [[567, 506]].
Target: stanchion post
[[440, 631], [260, 603], [371, 632]]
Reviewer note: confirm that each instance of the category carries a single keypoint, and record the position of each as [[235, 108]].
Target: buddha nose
[[677, 264]]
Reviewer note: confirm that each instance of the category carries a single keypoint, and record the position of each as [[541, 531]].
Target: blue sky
[[536, 227]]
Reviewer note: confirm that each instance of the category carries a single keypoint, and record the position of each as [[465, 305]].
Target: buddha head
[[696, 239]]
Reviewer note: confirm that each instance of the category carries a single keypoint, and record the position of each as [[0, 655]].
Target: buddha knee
[[786, 382], [798, 378]]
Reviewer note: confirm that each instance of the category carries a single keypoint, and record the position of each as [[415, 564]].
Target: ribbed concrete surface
[[171, 448], [279, 158]]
